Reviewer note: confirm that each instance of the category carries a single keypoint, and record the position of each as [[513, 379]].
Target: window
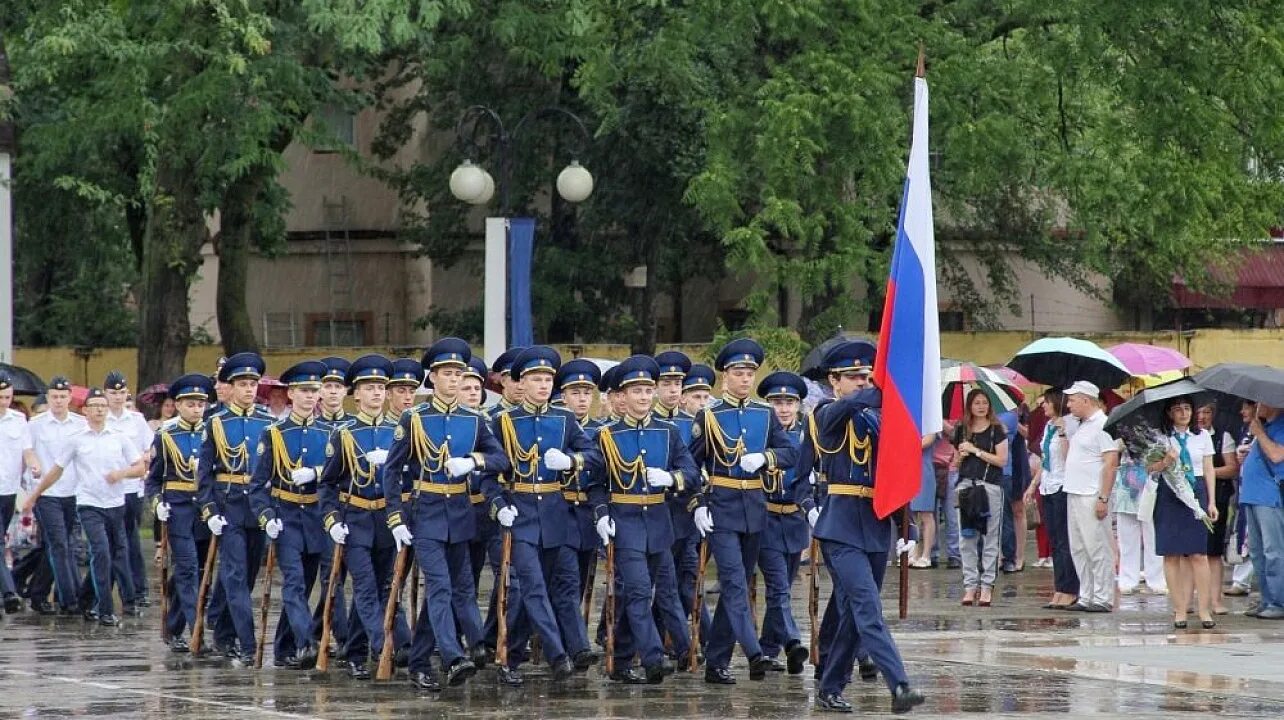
[[337, 122], [346, 330], [952, 320]]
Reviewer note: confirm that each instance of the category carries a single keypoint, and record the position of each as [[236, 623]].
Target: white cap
[[1083, 387]]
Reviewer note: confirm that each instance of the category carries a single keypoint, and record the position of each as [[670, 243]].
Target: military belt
[[536, 487], [631, 499], [736, 483], [864, 491], [573, 496], [357, 501], [296, 498], [180, 486], [477, 498], [442, 488], [782, 508], [233, 478]]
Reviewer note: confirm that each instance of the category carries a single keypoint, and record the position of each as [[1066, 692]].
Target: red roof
[[1258, 282]]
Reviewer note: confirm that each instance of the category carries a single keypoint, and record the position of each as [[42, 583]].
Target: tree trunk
[[236, 237], [644, 311], [171, 257]]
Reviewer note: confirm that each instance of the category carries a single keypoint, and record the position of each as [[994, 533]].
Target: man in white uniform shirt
[[103, 459], [132, 425], [1091, 462], [15, 455], [51, 432]]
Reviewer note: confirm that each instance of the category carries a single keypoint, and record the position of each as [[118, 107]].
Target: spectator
[[1242, 577], [1226, 470], [1259, 496], [1136, 534], [1091, 461], [1034, 437], [1016, 477], [943, 465], [983, 449], [1052, 468], [923, 506], [164, 412]]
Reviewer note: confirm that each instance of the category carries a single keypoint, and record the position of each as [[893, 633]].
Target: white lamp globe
[[468, 181], [574, 183], [488, 191]]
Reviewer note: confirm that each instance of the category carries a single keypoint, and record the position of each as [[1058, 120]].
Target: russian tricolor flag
[[908, 366]]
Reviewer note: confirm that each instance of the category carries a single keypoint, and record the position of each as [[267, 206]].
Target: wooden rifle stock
[[501, 601], [198, 625], [267, 600], [697, 605], [336, 571], [384, 671]]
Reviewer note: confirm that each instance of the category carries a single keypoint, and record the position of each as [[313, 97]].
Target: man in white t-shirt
[[51, 433], [102, 458], [1091, 462], [15, 455], [132, 425]]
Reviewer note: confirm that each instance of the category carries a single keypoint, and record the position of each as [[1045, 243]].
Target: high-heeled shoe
[[969, 598], [1179, 624], [984, 599], [1208, 624]]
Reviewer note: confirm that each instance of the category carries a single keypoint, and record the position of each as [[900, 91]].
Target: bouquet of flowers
[[1151, 446]]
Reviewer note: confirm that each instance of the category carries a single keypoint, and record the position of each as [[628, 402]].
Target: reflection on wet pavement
[[1013, 659]]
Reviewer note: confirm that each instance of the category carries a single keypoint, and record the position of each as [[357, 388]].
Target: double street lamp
[[473, 184]]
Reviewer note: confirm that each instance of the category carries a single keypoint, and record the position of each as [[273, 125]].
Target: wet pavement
[[1010, 660]]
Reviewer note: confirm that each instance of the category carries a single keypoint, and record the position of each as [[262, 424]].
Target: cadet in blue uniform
[[229, 454], [353, 507], [736, 440], [472, 392], [576, 381], [542, 442], [787, 533], [283, 494], [645, 461], [333, 390], [330, 416], [510, 389], [407, 377], [696, 386], [854, 541], [171, 488], [435, 447]]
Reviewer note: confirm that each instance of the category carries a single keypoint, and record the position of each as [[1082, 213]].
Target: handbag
[[1032, 517], [1146, 503], [974, 507]]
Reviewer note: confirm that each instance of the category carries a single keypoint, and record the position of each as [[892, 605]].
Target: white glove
[[812, 516], [606, 529], [506, 516], [812, 478], [460, 466], [303, 475], [753, 462], [657, 478], [216, 523], [703, 520], [401, 535], [162, 512], [339, 533], [904, 546], [194, 463], [555, 459], [377, 457], [273, 528]]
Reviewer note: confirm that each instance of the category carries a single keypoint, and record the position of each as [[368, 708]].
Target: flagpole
[[920, 71]]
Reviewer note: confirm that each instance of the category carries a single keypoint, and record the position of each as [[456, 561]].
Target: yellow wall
[[1204, 347]]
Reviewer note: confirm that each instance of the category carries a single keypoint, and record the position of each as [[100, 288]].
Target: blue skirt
[[1177, 531], [925, 500]]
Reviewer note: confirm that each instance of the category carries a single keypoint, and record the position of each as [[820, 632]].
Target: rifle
[[336, 570], [697, 605], [414, 592], [501, 601], [267, 600], [753, 600], [588, 588], [610, 608], [198, 625], [384, 671], [904, 600], [813, 600], [164, 581]]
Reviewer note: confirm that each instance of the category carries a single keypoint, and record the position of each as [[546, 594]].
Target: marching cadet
[[542, 442], [612, 400], [353, 505], [696, 387], [736, 440], [16, 454], [133, 425], [51, 434], [472, 392], [283, 495], [333, 390], [171, 487], [787, 533], [510, 390], [103, 458], [407, 376], [229, 453], [853, 540], [435, 447], [645, 460], [576, 380]]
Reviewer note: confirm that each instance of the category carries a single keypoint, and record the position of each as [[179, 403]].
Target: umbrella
[[154, 394], [957, 380], [1012, 376], [1251, 382], [1061, 361], [1147, 406], [24, 381], [813, 366], [266, 383], [1159, 378], [1148, 359]]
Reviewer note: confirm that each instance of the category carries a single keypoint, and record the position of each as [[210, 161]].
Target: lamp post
[[474, 185]]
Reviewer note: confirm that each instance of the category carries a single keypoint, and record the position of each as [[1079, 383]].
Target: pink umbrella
[[1148, 359], [1011, 375], [266, 383]]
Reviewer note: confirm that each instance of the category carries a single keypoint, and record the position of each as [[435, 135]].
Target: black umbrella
[[813, 366], [24, 381], [1147, 406], [1060, 361], [1251, 382]]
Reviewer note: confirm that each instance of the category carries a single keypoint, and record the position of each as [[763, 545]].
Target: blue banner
[[521, 253]]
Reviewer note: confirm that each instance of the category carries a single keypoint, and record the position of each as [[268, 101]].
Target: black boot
[[629, 676], [425, 681], [358, 670], [178, 645], [868, 670], [511, 677], [305, 659], [796, 657], [655, 674], [583, 660], [12, 603], [906, 698], [562, 669], [460, 671], [482, 655], [718, 676], [759, 666], [832, 702]]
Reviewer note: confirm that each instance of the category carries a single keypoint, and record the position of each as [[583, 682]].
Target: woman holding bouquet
[[1184, 495]]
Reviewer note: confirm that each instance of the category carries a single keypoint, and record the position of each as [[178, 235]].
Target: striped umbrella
[[958, 380]]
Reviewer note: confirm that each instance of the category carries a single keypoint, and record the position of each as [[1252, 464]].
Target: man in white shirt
[[51, 432], [132, 425], [1091, 462], [103, 458], [15, 455]]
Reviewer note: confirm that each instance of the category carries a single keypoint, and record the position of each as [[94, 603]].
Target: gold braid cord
[[234, 459], [616, 465], [348, 444], [182, 468], [858, 448], [513, 447], [716, 442], [282, 465]]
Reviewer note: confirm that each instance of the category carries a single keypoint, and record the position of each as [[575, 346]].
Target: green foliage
[[467, 323], [783, 347]]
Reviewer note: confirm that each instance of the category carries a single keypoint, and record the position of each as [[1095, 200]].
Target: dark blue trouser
[[736, 555], [1064, 577], [534, 601], [857, 577], [298, 576], [779, 629], [635, 574], [185, 566], [1007, 535], [6, 514], [134, 559], [560, 572], [105, 536], [449, 594], [371, 572], [667, 609], [237, 568], [56, 516]]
